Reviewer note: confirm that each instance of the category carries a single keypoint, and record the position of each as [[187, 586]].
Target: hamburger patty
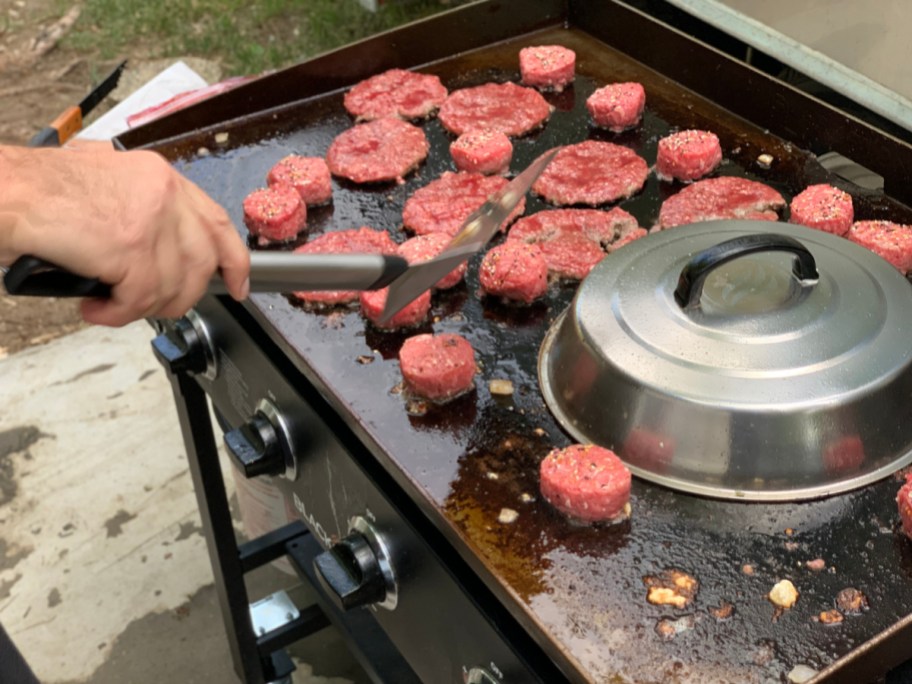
[[575, 240], [586, 482], [426, 247], [727, 197], [617, 106], [592, 173], [381, 150], [505, 107], [823, 207], [398, 93], [412, 314], [443, 205], [437, 367], [482, 151], [514, 270], [309, 176], [904, 503], [274, 214], [547, 67], [363, 240], [687, 155], [891, 241]]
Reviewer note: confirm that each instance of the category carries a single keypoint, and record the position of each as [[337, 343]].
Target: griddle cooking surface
[[579, 591]]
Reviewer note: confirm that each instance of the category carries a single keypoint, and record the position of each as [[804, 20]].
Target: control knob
[[480, 675], [185, 346], [356, 571], [262, 445]]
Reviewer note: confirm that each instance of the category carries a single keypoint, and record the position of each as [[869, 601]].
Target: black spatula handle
[[34, 277]]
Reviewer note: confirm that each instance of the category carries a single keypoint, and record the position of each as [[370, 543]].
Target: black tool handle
[[693, 275], [31, 276]]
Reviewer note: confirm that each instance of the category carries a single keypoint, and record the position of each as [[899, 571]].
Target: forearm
[[15, 196], [81, 208]]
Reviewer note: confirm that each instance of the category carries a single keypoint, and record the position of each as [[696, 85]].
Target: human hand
[[126, 218]]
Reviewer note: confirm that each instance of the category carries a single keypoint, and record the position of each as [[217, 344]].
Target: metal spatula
[[269, 272], [474, 234]]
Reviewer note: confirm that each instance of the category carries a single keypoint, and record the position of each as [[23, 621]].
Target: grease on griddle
[[816, 565], [388, 342], [766, 653], [829, 617], [456, 414], [515, 314], [669, 628], [671, 587], [723, 611], [851, 601]]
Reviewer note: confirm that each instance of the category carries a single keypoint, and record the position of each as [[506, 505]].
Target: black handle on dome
[[36, 277], [690, 282]]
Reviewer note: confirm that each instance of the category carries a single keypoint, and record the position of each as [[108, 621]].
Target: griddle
[[578, 591]]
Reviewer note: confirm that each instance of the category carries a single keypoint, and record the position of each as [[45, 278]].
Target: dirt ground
[[39, 78]]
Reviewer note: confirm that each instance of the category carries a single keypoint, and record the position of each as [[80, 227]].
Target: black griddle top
[[578, 590]]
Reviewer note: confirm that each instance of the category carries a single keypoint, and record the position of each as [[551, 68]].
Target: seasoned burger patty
[[361, 240], [397, 93], [904, 502], [505, 107], [274, 214], [688, 155], [720, 198], [516, 271], [482, 151], [586, 482], [426, 247], [891, 241], [547, 67], [592, 173], [823, 207], [575, 240], [617, 106], [437, 367], [412, 314], [381, 150], [309, 176], [444, 204]]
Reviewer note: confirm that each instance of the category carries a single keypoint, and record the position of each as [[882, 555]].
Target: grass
[[244, 37]]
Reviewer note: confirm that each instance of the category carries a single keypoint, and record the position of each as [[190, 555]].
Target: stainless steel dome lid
[[775, 367]]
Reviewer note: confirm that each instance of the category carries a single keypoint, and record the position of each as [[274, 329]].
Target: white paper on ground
[[176, 79]]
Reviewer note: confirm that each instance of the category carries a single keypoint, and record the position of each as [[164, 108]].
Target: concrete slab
[[104, 575]]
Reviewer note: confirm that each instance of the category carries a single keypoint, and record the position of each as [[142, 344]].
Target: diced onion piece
[[784, 594], [507, 516], [801, 674], [501, 387]]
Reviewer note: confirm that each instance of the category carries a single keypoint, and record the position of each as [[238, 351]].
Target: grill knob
[[262, 445], [480, 675], [185, 347], [356, 570]]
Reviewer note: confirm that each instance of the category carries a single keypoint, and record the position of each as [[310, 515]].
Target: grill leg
[[202, 456]]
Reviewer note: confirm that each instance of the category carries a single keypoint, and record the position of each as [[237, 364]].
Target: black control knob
[[356, 570], [351, 574], [480, 675], [183, 347], [255, 447]]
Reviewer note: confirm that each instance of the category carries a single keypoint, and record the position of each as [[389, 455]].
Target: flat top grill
[[579, 591]]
